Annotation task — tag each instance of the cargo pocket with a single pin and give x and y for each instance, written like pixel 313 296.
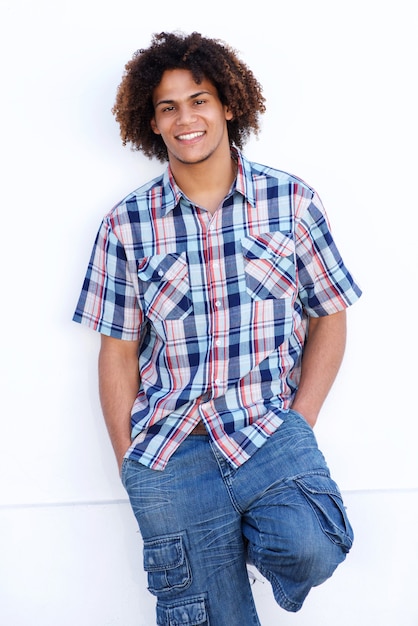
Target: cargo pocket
pixel 324 497
pixel 186 612
pixel 269 263
pixel 166 563
pixel 165 286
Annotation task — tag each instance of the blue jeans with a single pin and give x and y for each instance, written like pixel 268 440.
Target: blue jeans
pixel 201 522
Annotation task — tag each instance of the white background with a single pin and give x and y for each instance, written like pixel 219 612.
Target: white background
pixel 340 83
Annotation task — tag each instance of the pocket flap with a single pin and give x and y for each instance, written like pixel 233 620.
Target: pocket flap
pixel 187 613
pixel 163 553
pixel 267 245
pixel 319 484
pixel 162 267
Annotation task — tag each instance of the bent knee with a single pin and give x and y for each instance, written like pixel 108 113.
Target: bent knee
pixel 316 561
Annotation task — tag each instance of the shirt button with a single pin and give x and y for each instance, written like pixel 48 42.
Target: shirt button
pixel 218 303
pixel 218 342
pixel 217 381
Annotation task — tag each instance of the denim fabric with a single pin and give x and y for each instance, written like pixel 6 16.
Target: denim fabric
pixel 202 520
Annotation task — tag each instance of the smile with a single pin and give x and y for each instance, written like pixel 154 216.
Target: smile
pixel 189 136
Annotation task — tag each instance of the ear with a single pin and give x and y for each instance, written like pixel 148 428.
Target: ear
pixel 228 114
pixel 154 126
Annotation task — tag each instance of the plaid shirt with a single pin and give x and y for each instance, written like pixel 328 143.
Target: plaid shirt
pixel 220 303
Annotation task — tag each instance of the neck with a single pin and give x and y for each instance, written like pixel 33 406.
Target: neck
pixel 206 183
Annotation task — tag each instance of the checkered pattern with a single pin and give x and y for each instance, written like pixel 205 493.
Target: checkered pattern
pixel 220 303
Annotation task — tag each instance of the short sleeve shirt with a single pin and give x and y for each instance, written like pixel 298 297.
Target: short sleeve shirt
pixel 220 305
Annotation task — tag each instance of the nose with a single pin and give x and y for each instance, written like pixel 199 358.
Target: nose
pixel 185 115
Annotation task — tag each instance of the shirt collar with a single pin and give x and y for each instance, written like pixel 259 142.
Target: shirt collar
pixel 244 184
pixel 245 181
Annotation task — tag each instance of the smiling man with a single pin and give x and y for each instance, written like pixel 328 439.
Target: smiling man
pixel 220 296
pixel 191 120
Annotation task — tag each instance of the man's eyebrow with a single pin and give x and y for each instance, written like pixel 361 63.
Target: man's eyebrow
pixel 200 93
pixel 191 97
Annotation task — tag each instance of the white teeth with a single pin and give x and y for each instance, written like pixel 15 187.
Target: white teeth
pixel 190 136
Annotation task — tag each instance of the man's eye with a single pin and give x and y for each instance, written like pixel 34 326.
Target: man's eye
pixel 168 109
pixel 199 101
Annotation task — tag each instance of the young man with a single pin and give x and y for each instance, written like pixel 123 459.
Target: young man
pixel 220 297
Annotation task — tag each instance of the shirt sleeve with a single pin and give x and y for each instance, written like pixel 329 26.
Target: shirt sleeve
pixel 325 284
pixel 108 301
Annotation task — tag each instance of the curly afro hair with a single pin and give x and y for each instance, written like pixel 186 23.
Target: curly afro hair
pixel 206 58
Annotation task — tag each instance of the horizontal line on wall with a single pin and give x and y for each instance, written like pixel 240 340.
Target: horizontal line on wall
pixel 116 502
pixel 70 504
pixel 400 490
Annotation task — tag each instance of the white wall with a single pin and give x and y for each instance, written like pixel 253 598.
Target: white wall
pixel 340 83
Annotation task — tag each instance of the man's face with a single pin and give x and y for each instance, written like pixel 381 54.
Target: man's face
pixel 190 118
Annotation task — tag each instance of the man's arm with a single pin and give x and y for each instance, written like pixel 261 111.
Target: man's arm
pixel 118 387
pixel 322 357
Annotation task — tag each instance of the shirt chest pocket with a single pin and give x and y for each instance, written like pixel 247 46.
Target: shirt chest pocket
pixel 269 265
pixel 165 286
